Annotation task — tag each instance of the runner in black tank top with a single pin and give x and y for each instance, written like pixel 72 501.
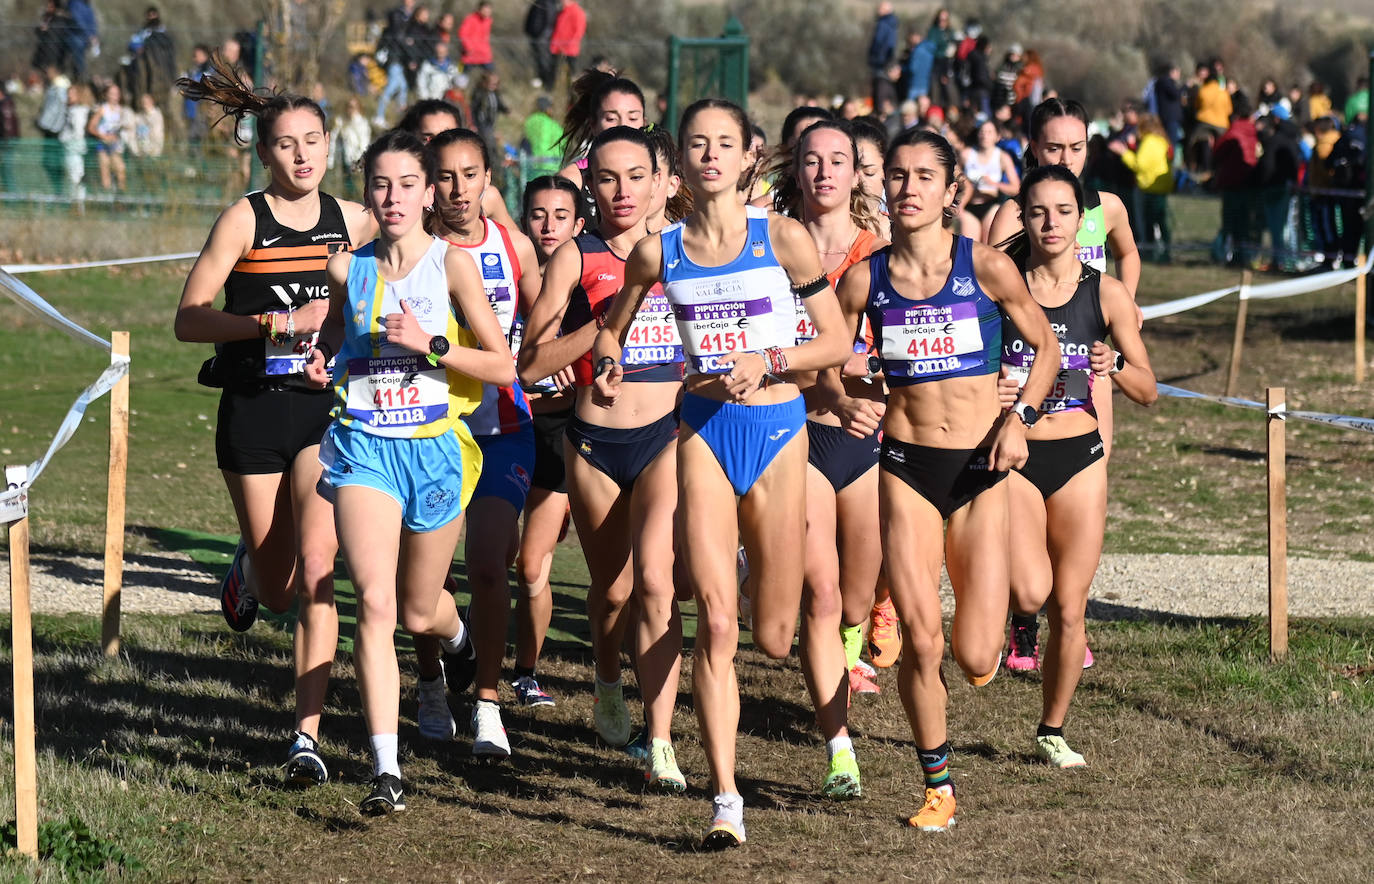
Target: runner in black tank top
pixel 268 251
pixel 1059 496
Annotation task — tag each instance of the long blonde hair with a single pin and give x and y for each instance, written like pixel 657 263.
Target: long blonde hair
pixel 783 166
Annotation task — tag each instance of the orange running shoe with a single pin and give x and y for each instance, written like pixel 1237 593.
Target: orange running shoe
pixel 938 813
pixel 885 635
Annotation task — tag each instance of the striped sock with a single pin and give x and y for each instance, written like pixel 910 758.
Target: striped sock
pixel 935 764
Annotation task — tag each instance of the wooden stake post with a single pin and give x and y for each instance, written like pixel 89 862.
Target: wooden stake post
pixel 1278 525
pixel 21 638
pixel 1238 340
pixel 114 505
pixel 1361 283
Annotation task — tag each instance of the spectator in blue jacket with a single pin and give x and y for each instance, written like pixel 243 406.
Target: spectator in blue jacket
pixel 882 49
pixel 84 35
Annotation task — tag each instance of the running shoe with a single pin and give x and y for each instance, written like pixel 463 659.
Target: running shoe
pixel 304 766
pixel 746 604
pixel 1087 657
pixel 236 600
pixel 938 813
pixel 979 681
pixel 433 715
pixel 488 733
pixel 842 779
pixel 862 684
pixel 387 796
pixel 610 714
pixel 866 670
pixel 638 748
pixel 1023 650
pixel 662 773
pixel 1055 752
pixel 460 666
pixel 884 635
pixel 529 693
pixel 727 825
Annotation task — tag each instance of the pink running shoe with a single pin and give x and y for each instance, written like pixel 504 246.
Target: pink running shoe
pixel 1087 657
pixel 1023 651
pixel 862 684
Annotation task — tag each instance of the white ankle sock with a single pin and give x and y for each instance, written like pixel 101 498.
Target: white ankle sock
pixel 384 755
pixel 455 644
pixel 835 744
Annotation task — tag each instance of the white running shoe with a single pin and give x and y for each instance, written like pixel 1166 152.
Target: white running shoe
pixel 433 714
pixel 488 733
pixel 610 714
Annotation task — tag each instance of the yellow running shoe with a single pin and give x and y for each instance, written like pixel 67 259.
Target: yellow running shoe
pixel 938 813
pixel 1055 752
pixel 662 773
pixel 884 635
pixel 842 780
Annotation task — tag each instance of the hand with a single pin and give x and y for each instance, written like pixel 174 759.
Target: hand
pixel 1009 451
pixel 310 316
pixel 860 418
pixel 1116 147
pixel 606 388
pixel 1008 388
pixel 315 370
pixel 404 329
pixel 743 378
pixel 565 378
pixel 1101 358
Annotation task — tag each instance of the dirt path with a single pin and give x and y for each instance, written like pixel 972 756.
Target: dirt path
pixel 1127 586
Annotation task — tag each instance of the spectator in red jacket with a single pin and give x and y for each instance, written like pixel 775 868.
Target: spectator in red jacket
pixel 568 30
pixel 475 36
pixel 1234 157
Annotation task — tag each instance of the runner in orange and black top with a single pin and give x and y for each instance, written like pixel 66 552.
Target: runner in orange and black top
pixel 551 218
pixel 268 252
pixel 621 461
pixel 843 552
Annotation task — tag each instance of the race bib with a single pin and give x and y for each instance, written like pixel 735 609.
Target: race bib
pixel 1072 387
pixel 710 331
pixel 914 334
pixel 288 357
pixel 805 328
pixel 396 393
pixel 652 338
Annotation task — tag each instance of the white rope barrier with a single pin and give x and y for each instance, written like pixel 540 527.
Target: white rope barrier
pixel 12 499
pixel 1362 424
pixel 1286 288
pixel 120 262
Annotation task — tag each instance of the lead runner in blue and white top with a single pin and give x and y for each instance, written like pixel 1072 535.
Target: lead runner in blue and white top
pixel 729 274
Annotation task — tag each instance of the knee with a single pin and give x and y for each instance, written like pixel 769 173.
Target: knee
pixel 775 640
pixel 717 634
pixel 416 621
pixel 376 609
pixel 656 585
pixel 529 573
pixel 486 572
pixel 923 646
pixel 317 575
pixel 823 601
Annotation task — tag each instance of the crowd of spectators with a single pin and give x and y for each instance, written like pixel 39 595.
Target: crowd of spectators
pixel 1287 165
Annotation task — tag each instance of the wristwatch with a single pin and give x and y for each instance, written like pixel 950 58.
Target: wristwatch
pixel 1027 412
pixel 1118 364
pixel 438 346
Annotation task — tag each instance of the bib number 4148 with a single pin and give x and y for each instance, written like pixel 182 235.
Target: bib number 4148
pixel 936 345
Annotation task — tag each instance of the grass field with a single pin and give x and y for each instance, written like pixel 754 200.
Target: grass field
pixel 1206 761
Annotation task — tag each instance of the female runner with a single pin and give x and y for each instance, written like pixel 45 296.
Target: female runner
pixel 843 550
pixel 1059 137
pixel 268 252
pixel 729 273
pixel 501 424
pixel 599 101
pixel 622 468
pixel 430 116
pixel 551 218
pixel 935 302
pixel 992 176
pixel 399 457
pixel 1059 496
pixel 872 141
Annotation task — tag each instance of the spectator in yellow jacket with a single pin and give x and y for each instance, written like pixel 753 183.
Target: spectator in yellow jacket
pixel 1154 178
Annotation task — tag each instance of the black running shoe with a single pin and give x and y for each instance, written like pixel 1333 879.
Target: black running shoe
pixel 460 666
pixel 236 602
pixel 387 796
pixel 304 766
